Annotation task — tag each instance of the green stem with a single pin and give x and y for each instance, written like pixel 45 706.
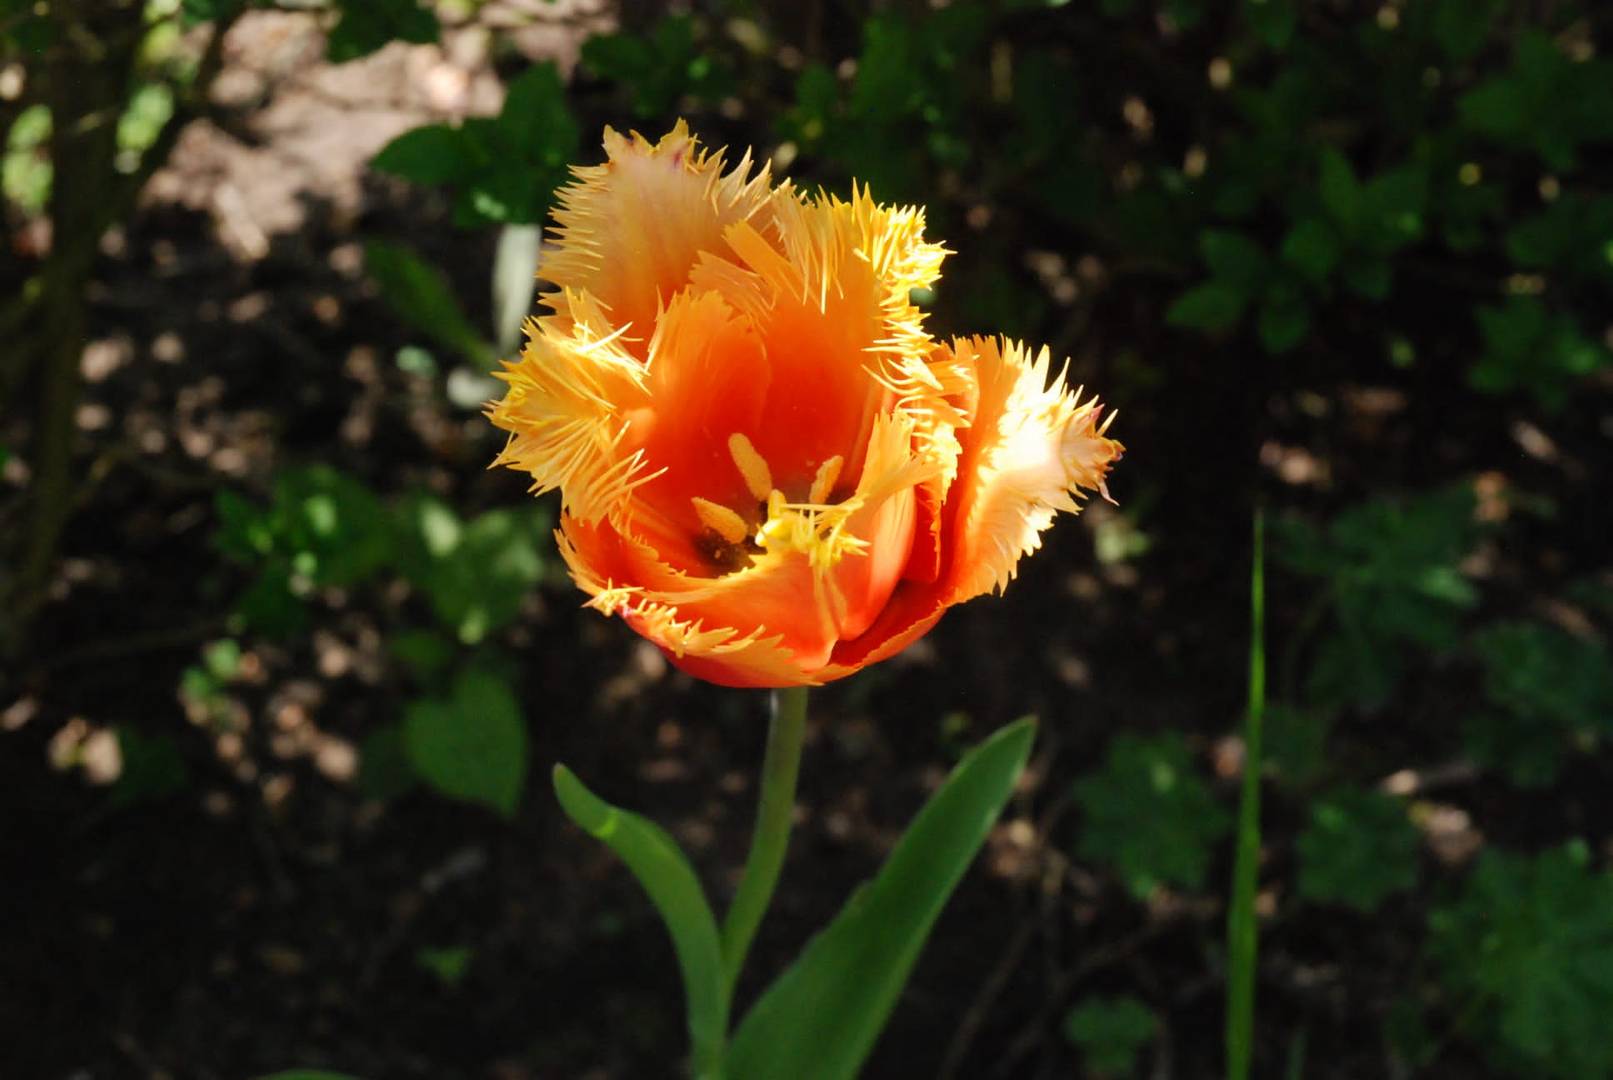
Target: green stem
pixel 1242 933
pixel 772 834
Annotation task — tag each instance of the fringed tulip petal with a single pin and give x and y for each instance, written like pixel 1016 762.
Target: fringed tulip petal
pixel 767 466
pixel 629 231
pixel 1031 448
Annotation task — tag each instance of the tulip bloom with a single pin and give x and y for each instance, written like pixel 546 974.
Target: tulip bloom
pixel 767 466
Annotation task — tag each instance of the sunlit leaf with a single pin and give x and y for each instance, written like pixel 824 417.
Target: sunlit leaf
pixel 431 154
pixel 665 874
pixel 820 1019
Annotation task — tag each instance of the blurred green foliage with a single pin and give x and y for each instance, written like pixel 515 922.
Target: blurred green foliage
pixel 470 745
pixel 325 529
pixel 504 168
pixel 1359 847
pixel 1389 574
pixel 1530 945
pixel 1150 815
pixel 1110 1033
pixel 1548 691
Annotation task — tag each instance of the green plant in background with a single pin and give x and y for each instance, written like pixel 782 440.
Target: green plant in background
pixel 502 169
pixel 677 56
pixel 1359 847
pixel 1110 1033
pixel 1149 815
pixel 1527 955
pixel 1391 577
pixel 470 745
pixel 1243 929
pixel 465 736
pixel 1548 692
pixel 1529 347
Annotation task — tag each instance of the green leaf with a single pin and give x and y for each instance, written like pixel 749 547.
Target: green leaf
pixel 193 12
pixel 1186 14
pixel 25 170
pixel 1547 102
pixel 1392 208
pixel 1341 191
pixel 536 119
pixel 384 770
pixel 666 876
pixel 1528 347
pixel 510 193
pixel 150 108
pixel 1391 572
pixel 475 574
pixel 1550 691
pixel 1296 744
pixel 471 745
pixel 1369 276
pixel 1149 814
pixel 1272 21
pixel 1234 258
pixel 448 965
pixel 426 652
pixel 1214 306
pixel 420 295
pixel 1359 847
pixel 367 25
pixel 817 96
pixel 820 1019
pixel 1285 319
pixel 1530 944
pixel 153 768
pixel 1110 1032
pixel 1541 673
pixel 889 81
pixel 661 67
pixel 1463 26
pixel 1312 248
pixel 432 154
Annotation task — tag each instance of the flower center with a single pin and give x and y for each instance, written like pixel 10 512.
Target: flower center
pixel 816 528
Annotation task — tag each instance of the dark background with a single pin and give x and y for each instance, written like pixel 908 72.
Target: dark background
pixel 1349 263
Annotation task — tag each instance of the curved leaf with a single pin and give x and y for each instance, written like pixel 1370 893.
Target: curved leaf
pixel 666 876
pixel 819 1020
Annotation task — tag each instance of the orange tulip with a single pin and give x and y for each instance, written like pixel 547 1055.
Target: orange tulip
pixel 766 465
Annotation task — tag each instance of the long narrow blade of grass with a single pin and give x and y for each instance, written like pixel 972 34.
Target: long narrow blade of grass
pixel 1241 930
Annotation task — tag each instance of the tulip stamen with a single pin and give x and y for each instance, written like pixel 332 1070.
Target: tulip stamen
pixel 726 542
pixel 721 520
pixel 823 483
pixel 752 466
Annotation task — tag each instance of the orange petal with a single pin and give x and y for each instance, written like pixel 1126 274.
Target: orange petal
pixel 629 231
pixel 1030 451
pixel 566 406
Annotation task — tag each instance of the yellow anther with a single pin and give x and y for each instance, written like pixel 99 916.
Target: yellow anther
pixel 823 483
pixel 758 477
pixel 720 520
